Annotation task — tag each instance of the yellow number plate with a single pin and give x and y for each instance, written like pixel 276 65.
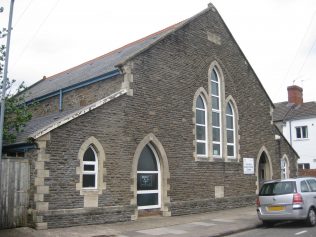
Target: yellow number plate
pixel 276 208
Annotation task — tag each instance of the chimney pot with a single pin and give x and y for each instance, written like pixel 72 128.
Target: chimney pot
pixel 295 95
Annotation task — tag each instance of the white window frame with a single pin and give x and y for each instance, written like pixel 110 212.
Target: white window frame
pixel 89 172
pixel 202 125
pixel 231 129
pixel 284 169
pixel 218 82
pixel 301 131
pixel 158 191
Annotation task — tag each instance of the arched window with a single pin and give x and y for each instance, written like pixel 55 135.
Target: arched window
pixel 230 131
pixel 216 113
pixel 148 179
pixel 90 169
pixel 284 168
pixel 201 127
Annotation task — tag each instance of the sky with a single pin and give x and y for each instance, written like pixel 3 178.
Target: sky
pixel 278 37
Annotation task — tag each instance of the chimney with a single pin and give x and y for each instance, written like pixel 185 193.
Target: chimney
pixel 295 95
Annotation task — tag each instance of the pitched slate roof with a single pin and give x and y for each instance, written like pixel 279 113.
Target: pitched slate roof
pixel 95 67
pixel 284 112
pixel 37 127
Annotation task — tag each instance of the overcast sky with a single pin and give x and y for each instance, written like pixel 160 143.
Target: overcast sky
pixel 278 37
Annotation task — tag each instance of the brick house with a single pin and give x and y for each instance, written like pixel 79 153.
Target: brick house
pixel 159 126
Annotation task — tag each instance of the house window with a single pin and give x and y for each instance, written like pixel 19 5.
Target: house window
pixel 304 166
pixel 201 127
pixel 216 113
pixel 301 132
pixel 230 132
pixel 90 169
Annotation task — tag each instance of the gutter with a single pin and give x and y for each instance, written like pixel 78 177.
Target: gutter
pixel 62 91
pixel 19 147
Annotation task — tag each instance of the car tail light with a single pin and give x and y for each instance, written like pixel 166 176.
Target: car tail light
pixel 258 202
pixel 297 198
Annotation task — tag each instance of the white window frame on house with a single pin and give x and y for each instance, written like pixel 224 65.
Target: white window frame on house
pixel 205 126
pixel 233 130
pixel 90 172
pixel 303 166
pixel 217 111
pixel 300 134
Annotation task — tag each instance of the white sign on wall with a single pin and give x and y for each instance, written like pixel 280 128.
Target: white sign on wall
pixel 249 165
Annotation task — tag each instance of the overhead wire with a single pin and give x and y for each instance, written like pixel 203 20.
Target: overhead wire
pixel 297 52
pixel 22 14
pixel 37 31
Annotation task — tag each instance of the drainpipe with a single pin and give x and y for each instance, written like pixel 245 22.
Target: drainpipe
pixel 60 100
pixel 290 124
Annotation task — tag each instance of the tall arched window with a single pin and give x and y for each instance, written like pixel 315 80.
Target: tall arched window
pixel 216 113
pixel 90 169
pixel 201 127
pixel 284 168
pixel 230 131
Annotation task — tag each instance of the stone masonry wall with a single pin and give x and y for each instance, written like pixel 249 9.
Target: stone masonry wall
pixel 78 98
pixel 166 78
pixel 64 201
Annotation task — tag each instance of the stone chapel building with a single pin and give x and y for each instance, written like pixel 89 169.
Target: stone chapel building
pixel 158 126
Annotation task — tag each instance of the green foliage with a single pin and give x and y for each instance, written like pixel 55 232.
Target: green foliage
pixel 17 113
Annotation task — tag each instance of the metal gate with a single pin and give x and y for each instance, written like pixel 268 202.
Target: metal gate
pixel 15 181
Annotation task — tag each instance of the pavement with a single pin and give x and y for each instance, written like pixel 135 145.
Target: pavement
pixel 215 224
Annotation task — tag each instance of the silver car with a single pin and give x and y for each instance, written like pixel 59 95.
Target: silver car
pixel 288 199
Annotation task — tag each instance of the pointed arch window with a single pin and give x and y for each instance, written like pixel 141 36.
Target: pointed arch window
pixel 148 179
pixel 284 168
pixel 90 169
pixel 201 127
pixel 230 131
pixel 216 113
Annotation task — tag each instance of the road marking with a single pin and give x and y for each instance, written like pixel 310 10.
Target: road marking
pixel 302 232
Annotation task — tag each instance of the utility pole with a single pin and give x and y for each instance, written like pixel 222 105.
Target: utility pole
pixel 5 79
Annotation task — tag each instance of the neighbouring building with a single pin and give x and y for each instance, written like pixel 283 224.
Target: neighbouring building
pixel 297 121
pixel 160 126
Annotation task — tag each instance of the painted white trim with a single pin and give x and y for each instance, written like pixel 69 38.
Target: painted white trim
pixel 231 129
pixel 158 191
pixel 218 111
pixel 95 172
pixel 76 114
pixel 205 125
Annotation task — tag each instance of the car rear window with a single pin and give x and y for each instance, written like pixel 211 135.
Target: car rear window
pixel 277 188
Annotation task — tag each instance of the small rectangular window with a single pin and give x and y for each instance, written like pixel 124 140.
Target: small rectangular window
pixel 301 132
pixel 304 166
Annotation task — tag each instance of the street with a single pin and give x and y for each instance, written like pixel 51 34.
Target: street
pixel 286 229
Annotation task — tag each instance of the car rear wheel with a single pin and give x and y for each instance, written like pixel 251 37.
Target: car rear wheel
pixel 311 217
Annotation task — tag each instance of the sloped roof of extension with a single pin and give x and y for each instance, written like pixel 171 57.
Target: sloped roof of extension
pixel 37 127
pixel 284 112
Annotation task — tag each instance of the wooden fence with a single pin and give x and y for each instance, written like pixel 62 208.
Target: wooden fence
pixel 14 186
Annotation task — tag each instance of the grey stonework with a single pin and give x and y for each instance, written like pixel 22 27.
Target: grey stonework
pixel 165 78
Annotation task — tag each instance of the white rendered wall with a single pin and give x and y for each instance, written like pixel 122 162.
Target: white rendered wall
pixel 306 148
